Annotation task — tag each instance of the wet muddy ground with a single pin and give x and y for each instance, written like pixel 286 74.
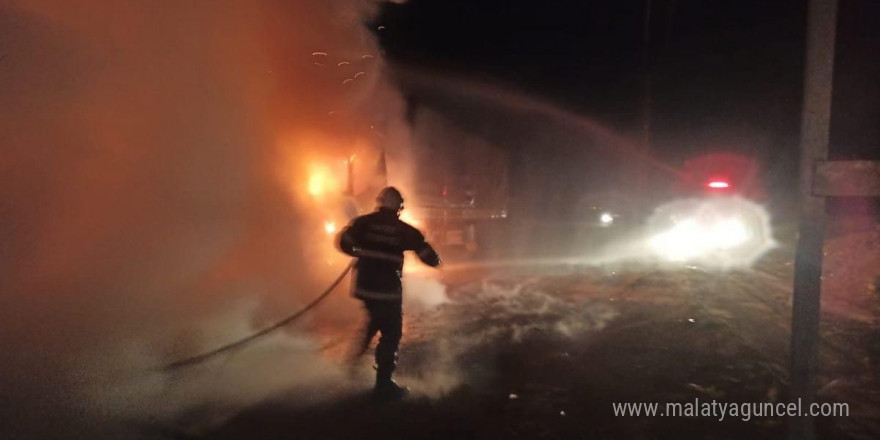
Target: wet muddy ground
pixel 544 351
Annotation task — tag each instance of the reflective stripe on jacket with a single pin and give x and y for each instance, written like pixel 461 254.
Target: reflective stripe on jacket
pixel 378 240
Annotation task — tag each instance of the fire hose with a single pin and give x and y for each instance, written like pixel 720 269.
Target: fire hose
pixel 200 358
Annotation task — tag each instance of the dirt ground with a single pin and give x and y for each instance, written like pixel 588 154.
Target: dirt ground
pixel 543 351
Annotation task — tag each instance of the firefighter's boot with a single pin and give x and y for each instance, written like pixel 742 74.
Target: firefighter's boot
pixel 386 388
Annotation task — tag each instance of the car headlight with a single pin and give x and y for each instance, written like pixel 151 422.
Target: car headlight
pixel 722 231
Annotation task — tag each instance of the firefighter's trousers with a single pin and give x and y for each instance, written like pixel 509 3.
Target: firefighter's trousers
pixel 385 318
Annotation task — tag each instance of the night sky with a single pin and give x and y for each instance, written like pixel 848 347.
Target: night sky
pixel 725 75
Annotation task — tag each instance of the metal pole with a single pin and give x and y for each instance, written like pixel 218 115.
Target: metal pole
pixel 818 75
pixel 646 71
pixel 643 168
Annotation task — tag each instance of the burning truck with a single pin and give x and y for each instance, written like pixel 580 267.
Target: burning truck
pixel 459 184
pixel 455 184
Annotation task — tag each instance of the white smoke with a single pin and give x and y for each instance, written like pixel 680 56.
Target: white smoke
pixel 422 291
pixel 495 311
pixel 154 156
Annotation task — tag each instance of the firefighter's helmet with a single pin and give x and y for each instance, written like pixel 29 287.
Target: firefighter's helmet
pixel 390 198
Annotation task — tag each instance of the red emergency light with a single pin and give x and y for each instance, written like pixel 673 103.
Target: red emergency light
pixel 718 184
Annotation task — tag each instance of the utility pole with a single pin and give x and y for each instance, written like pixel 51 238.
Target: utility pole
pixel 820 178
pixel 643 168
pixel 815 124
pixel 646 84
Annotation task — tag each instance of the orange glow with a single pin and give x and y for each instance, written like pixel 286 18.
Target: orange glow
pixel 321 182
pixel 317 182
pixel 330 227
pixel 407 217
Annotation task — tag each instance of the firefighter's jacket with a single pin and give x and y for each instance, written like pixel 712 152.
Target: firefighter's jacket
pixel 378 240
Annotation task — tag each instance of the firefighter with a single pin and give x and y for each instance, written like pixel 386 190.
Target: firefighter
pixel 378 241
